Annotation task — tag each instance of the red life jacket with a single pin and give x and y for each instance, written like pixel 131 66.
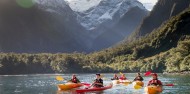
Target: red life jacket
pixel 155 82
pixel 74 80
pixel 123 78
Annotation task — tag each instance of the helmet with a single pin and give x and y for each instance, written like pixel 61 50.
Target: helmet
pixel 154 74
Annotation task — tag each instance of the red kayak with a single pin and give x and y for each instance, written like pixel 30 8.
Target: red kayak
pixel 94 89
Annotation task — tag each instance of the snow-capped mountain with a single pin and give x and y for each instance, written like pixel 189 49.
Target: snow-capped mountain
pixel 82 5
pixel 108 21
pixel 103 11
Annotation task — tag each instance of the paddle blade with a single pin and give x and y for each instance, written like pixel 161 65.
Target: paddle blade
pixel 147 73
pixel 120 73
pixel 103 77
pixel 59 78
pixel 169 85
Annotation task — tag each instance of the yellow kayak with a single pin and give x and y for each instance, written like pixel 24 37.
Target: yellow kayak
pixel 68 86
pixel 115 82
pixel 153 89
pixel 125 82
pixel 138 84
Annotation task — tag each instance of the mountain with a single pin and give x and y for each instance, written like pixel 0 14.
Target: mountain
pixel 36 26
pixel 109 21
pixel 106 13
pixel 162 11
pixel 167 49
pixel 46 26
pixel 121 29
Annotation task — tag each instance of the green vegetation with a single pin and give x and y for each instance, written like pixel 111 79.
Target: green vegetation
pixel 167 49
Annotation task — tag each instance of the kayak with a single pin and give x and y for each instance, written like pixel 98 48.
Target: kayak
pixel 138 84
pixel 153 89
pixel 125 82
pixel 115 82
pixel 68 86
pixel 121 82
pixel 94 89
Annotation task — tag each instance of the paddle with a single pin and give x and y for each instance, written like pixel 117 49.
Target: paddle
pixel 59 78
pixel 103 77
pixel 120 73
pixel 147 73
pixel 168 85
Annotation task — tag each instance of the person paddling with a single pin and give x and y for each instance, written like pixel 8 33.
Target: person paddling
pixel 74 79
pixel 115 77
pixel 138 77
pixel 122 77
pixel 155 80
pixel 98 82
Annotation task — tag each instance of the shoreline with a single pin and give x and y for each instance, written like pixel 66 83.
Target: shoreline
pixel 184 72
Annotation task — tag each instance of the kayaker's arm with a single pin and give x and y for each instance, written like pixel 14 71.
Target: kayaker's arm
pixel 98 83
pixel 78 81
pixel 69 80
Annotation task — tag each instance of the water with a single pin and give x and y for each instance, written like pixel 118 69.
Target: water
pixel 46 84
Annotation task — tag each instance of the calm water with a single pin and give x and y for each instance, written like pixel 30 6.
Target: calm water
pixel 46 84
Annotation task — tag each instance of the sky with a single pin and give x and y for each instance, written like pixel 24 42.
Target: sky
pixel 147 3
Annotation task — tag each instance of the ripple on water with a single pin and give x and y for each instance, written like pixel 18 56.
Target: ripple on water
pixel 18 86
pixel 17 91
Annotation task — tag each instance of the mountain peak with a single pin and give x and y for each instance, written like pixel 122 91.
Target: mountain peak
pixel 82 5
pixel 103 11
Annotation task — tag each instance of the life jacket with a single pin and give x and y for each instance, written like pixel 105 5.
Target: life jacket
pixel 122 78
pixel 154 82
pixel 98 81
pixel 139 78
pixel 74 80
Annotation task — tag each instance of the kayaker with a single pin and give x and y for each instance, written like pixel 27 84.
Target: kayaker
pixel 74 79
pixel 98 82
pixel 115 77
pixel 122 77
pixel 155 80
pixel 138 77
